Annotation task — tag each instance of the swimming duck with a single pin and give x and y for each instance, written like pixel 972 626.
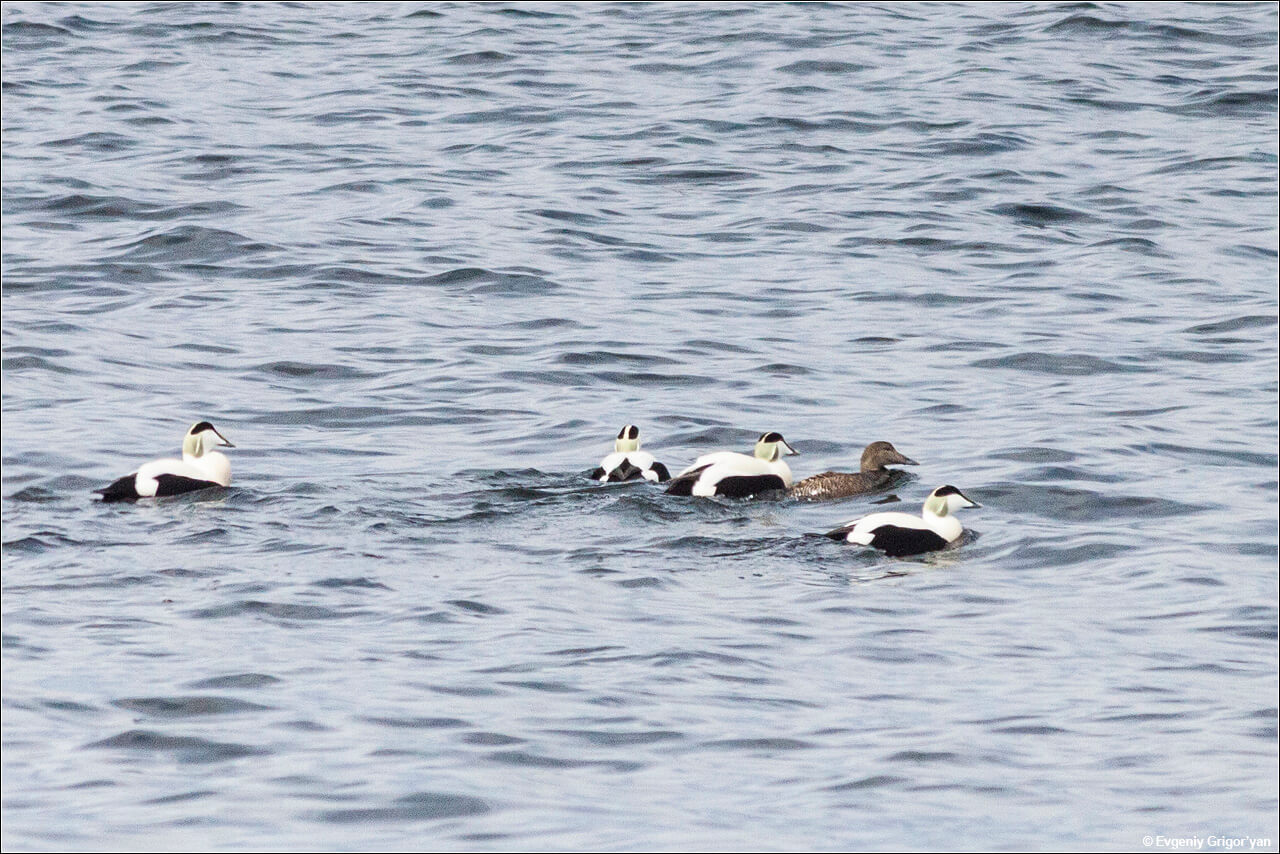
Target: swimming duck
pixel 627 461
pixel 873 476
pixel 899 534
pixel 737 475
pixel 200 468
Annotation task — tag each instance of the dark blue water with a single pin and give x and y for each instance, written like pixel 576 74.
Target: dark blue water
pixel 421 263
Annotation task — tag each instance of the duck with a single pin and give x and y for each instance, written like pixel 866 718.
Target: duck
pixel 628 462
pixel 734 475
pixel 201 467
pixel 873 475
pixel 901 534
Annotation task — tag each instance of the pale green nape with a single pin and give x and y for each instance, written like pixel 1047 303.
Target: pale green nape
pixel 195 444
pixel 937 505
pixel 767 451
pixel 626 446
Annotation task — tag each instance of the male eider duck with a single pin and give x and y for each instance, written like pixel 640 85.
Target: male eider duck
pixel 873 476
pixel 628 462
pixel 200 468
pixel 899 534
pixel 737 475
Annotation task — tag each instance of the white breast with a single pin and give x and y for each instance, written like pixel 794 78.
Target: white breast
pixel 216 466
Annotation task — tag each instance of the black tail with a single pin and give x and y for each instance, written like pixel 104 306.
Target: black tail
pixel 839 534
pixel 625 471
pixel 683 485
pixel 121 490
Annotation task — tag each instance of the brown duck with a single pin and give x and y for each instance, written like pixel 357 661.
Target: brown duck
pixel 874 475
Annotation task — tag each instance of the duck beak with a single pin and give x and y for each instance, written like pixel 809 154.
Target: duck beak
pixel 224 441
pixel 972 503
pixel 905 461
pixel 791 452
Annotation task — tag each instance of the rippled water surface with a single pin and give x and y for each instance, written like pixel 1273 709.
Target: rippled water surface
pixel 421 263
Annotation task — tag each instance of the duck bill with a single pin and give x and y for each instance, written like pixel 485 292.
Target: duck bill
pixel 791 452
pixel 971 503
pixel 905 461
pixel 224 443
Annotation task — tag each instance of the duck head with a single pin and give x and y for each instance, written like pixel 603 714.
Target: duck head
pixel 628 440
pixel 880 454
pixel 202 438
pixel 946 500
pixel 771 446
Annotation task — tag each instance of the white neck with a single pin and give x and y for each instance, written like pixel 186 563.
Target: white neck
pixel 214 464
pixel 943 524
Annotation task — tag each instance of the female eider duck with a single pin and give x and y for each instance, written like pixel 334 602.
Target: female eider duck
pixel 900 534
pixel 200 468
pixel 737 475
pixel 873 476
pixel 628 462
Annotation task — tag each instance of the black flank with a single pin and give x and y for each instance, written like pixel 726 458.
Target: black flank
pixel 900 542
pixel 744 487
pixel 176 484
pixel 661 471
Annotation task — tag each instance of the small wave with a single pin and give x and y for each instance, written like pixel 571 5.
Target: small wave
pixel 1235 324
pixel 1084 505
pixel 90 207
pixel 480 57
pixel 822 66
pixel 692 176
pixel 97 141
pixel 192 244
pixel 18 364
pixel 323 372
pixel 287 611
pixel 529 759
pixel 1068 364
pixel 184 748
pixel 1041 214
pixel 186 707
pixel 489 282
pixel 418 723
pixel 235 680
pixel 478 608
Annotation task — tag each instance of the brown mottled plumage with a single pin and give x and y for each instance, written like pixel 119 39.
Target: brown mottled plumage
pixel 874 475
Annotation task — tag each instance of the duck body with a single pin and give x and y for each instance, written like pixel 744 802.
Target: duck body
pixel 200 468
pixel 733 475
pixel 873 476
pixel 901 534
pixel 628 462
pixel 618 467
